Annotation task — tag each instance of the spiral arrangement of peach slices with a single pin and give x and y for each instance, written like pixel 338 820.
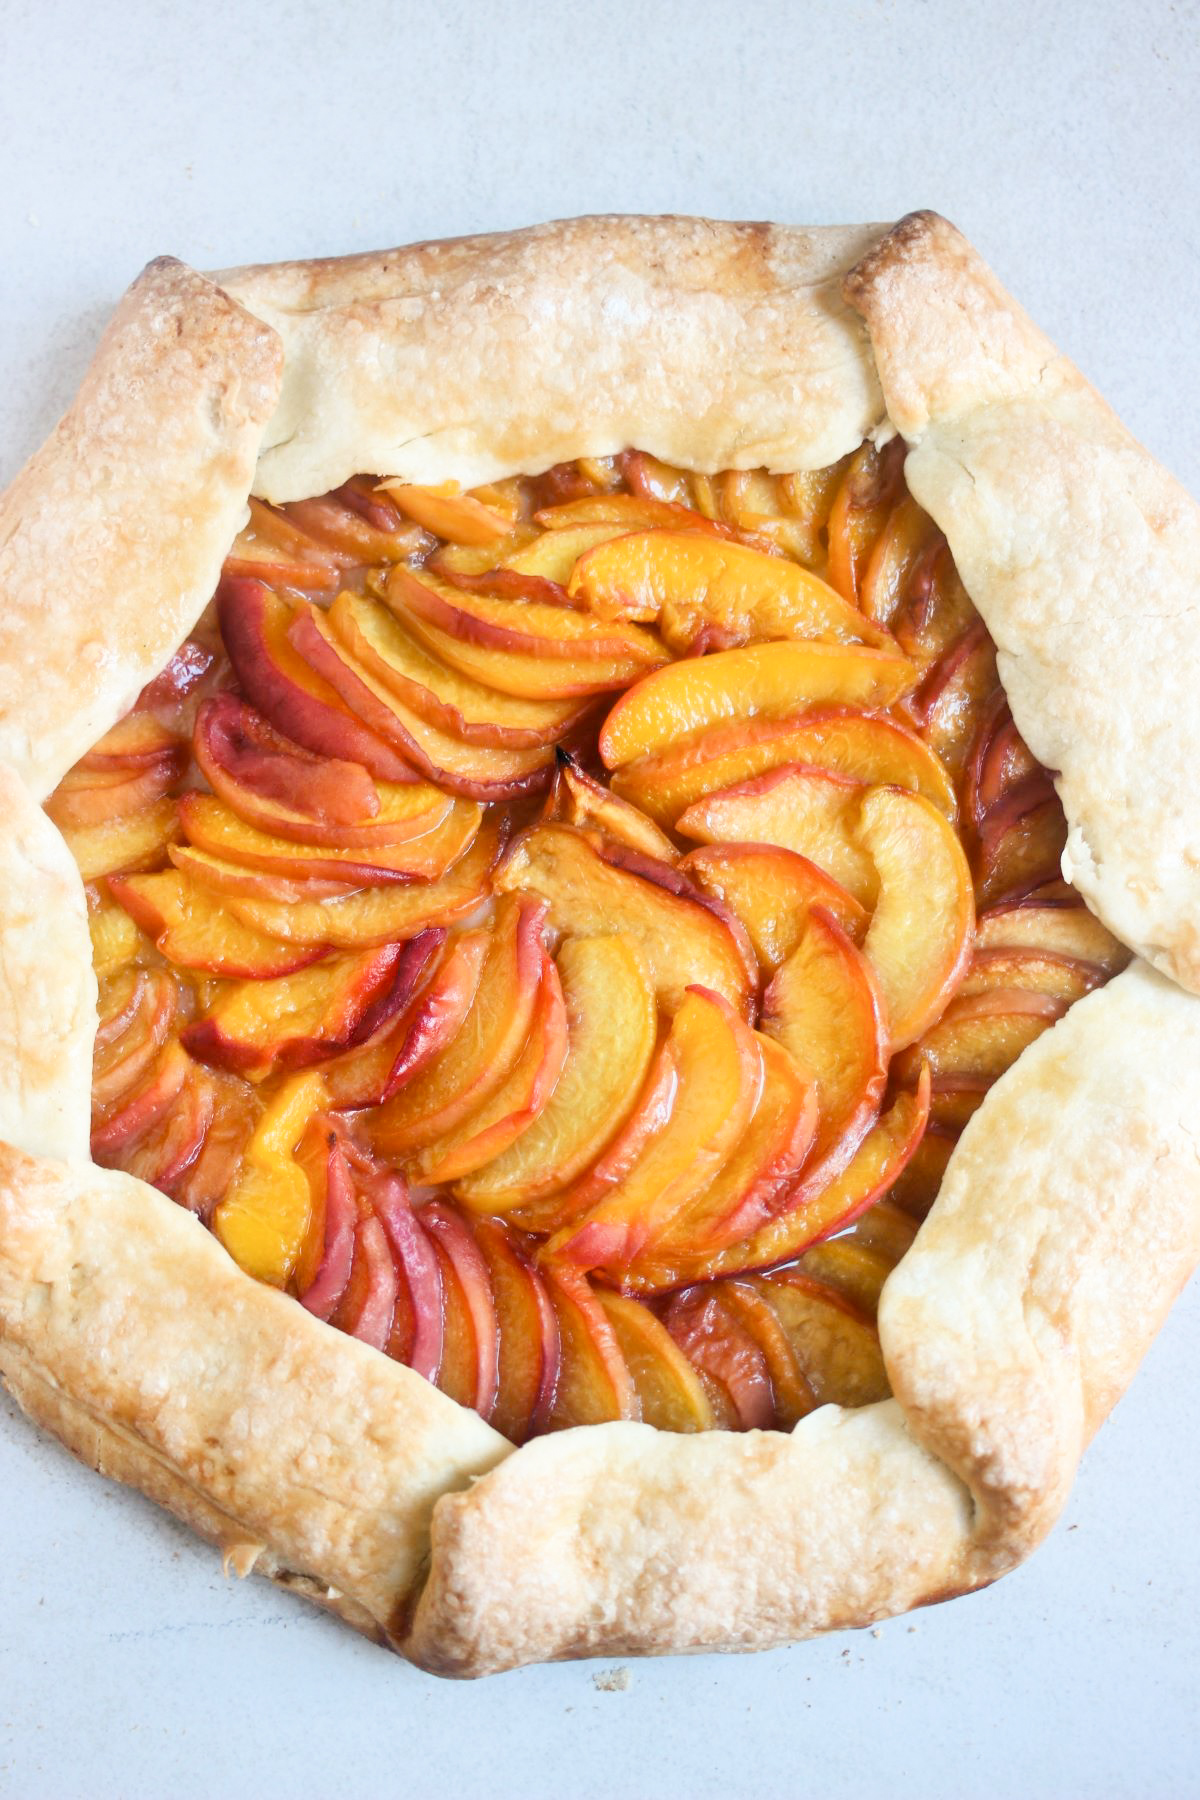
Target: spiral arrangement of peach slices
pixel 557 932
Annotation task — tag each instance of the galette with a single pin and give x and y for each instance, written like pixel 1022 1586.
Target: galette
pixel 600 923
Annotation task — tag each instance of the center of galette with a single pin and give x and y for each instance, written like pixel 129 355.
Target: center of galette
pixel 558 932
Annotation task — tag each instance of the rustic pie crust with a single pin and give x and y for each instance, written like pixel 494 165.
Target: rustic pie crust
pixel 1069 1216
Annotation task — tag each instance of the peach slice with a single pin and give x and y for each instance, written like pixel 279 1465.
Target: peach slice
pixel 454 1240
pixel 917 1186
pixel 492 1036
pixel 236 1110
pixel 680 940
pixel 472 770
pixel 94 797
pixel 116 939
pixel 137 739
pixel 529 1344
pixel 861 746
pixel 763 1166
pixel 770 891
pixel 235 880
pixel 836 1345
pixel 288 1021
pixel 1038 971
pixel 948 702
pixel 435 1006
pixel 525 628
pixel 272 548
pixel 136 841
pixel 821 1208
pixel 853 1269
pixel 725 1355
pixel 448 513
pixel 254 626
pixel 790 1387
pixel 611 1026
pixel 368 1306
pixel 169 1151
pixel 358 524
pixel 708 594
pixel 919 941
pixel 513 672
pixel 1021 856
pixel 377 915
pixel 516 1104
pixel 294 794
pixel 136 1012
pixel 620 514
pixel 901 548
pixel 552 557
pixel 773 512
pixel 872 485
pixel 937 610
pixel 810 811
pixel 1061 928
pixel 577 798
pixel 763 680
pixel 453 702
pixel 194 931
pixel 264 1217
pixel 418 1321
pixel 212 826
pixel 824 1006
pixel 718 1070
pixel 672 1395
pixel 979 1036
pixel 594 1383
pixel 141 1106
pixel 883 1227
pixel 323 1270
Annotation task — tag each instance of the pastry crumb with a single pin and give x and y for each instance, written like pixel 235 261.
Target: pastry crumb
pixel 613 1681
pixel 876 1633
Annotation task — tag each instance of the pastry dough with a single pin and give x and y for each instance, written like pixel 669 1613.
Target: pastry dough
pixel 1070 1213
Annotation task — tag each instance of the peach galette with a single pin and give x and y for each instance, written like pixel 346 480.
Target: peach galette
pixel 562 916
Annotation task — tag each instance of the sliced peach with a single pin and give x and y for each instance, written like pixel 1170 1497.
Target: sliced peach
pixel 790 1388
pixel 553 556
pixel 836 1345
pixel 486 1047
pixel 289 1021
pixel 611 1021
pixel 1039 971
pixel 368 1306
pixel 650 478
pixel 770 891
pixel 525 628
pixel 137 739
pixel 448 513
pixel 1024 854
pixel 823 1005
pixel 138 840
pixel 719 1077
pixel 254 627
pixel 142 1105
pixel 377 915
pixel 514 672
pixel 864 747
pixel 454 702
pixel 853 1269
pixel 884 1227
pixel 872 485
pixel 810 811
pixel 237 1108
pixel 708 594
pixel 919 941
pixel 271 547
pixel 763 680
pixel 136 1012
pixel 264 1217
pixel 452 1237
pixel 672 1395
pixel 458 1369
pixel 116 939
pixel 212 826
pixel 621 514
pixel 937 610
pixel 979 1036
pixel 725 1355
pixel 901 547
pixel 358 524
pixel 449 560
pixel 194 931
pixel 764 510
pixel 577 798
pixel 472 770
pixel 948 702
pixel 916 1188
pixel 762 1167
pixel 233 881
pixel 430 1018
pixel 418 1322
pixel 594 1383
pixel 519 1100
pixel 1061 928
pixel 324 1268
pixel 680 940
pixel 297 795
pixel 529 1344
pixel 93 797
pixel 167 1153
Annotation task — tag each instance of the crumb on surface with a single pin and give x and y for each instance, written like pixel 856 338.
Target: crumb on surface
pixel 613 1681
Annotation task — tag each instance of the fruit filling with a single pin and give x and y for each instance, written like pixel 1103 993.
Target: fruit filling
pixel 558 932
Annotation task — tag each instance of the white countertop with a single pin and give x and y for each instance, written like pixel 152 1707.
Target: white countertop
pixel 1064 140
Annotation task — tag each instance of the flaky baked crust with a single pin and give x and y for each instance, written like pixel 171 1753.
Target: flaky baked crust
pixel 1070 1214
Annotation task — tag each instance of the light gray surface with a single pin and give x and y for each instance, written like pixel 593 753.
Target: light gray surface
pixel 1064 140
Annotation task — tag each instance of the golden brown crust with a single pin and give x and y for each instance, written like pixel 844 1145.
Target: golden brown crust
pixel 1071 1213
pixel 113 534
pixel 487 356
pixel 1082 555
pixel 239 1410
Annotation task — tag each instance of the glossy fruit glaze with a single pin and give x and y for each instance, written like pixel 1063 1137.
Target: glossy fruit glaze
pixel 558 932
